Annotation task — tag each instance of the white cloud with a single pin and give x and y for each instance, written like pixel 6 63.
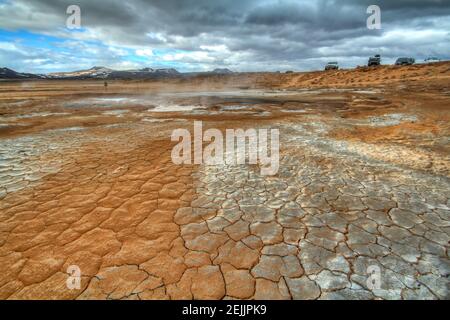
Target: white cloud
pixel 117 51
pixel 216 48
pixel 193 56
pixel 145 52
pixel 11 47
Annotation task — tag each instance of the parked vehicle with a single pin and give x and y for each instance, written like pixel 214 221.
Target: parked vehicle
pixel 432 59
pixel 332 66
pixel 405 61
pixel 374 61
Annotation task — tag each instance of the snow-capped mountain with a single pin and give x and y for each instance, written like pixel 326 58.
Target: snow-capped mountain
pixel 94 72
pixel 109 74
pixel 222 71
pixel 106 73
pixel 145 73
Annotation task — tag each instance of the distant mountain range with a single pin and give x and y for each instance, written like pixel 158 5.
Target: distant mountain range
pixel 108 74
pixel 6 73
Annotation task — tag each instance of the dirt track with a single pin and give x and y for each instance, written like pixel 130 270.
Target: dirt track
pixel 87 180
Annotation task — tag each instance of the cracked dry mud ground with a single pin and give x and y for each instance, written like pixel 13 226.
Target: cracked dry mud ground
pixel 363 181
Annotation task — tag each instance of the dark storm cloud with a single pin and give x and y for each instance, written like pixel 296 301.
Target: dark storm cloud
pixel 251 34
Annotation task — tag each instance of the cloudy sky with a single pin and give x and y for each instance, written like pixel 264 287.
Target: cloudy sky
pixel 196 35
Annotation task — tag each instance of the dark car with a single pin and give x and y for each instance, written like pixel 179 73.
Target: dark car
pixel 374 61
pixel 405 61
pixel 332 66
